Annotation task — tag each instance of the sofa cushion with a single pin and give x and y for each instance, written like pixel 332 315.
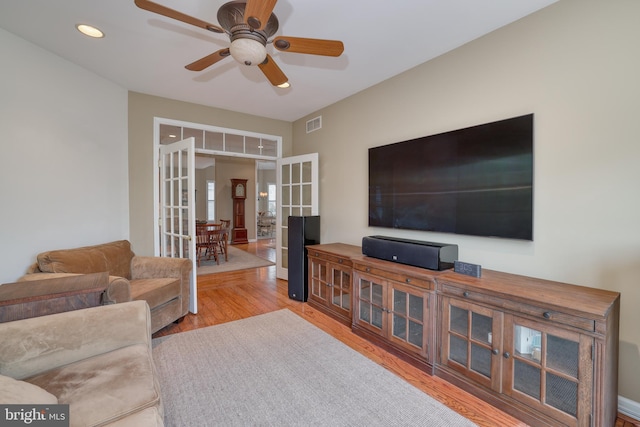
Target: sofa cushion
pixel 155 291
pixel 14 392
pixel 114 257
pixel 104 388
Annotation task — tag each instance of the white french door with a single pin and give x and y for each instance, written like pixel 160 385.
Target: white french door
pixel 177 207
pixel 297 195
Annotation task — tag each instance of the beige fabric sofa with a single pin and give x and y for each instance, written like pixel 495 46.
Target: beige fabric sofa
pixel 97 360
pixel 164 283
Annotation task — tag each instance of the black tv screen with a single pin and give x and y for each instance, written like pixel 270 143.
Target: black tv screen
pixel 475 181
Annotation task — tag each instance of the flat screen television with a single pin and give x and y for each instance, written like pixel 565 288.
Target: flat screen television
pixel 475 181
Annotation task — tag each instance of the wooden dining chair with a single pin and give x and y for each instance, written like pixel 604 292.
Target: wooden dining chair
pixel 206 241
pixel 223 238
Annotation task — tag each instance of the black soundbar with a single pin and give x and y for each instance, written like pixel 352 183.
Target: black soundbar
pixel 434 256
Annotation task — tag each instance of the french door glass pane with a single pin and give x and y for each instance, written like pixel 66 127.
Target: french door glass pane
pixel 286 175
pixel 286 196
pixel 295 194
pixel 307 171
pixel 295 173
pixel 306 194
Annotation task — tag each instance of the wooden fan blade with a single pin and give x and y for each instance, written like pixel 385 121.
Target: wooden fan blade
pixel 258 12
pixel 309 46
pixel 208 60
pixel 170 13
pixel 273 72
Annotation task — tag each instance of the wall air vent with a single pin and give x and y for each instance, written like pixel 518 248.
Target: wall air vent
pixel 314 124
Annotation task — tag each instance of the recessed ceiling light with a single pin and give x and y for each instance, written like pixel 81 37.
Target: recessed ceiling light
pixel 90 31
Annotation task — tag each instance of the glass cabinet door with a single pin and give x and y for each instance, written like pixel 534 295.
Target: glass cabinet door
pixel 409 318
pixel 318 285
pixel 549 368
pixel 370 304
pixel 341 290
pixel 471 341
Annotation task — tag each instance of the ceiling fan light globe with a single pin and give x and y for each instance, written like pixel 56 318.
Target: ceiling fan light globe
pixel 248 51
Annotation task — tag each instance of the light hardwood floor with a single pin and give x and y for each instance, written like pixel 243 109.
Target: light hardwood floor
pixel 225 297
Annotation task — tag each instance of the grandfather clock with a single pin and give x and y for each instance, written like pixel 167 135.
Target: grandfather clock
pixel 238 194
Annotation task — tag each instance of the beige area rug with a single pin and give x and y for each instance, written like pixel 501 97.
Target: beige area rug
pixel 277 369
pixel 238 260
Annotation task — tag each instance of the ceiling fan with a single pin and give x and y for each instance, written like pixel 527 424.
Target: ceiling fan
pixel 249 25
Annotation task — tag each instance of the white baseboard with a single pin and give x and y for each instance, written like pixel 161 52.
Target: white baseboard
pixel 629 407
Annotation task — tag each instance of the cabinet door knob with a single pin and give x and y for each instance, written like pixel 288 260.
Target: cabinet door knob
pixel 407 280
pixel 465 294
pixel 546 315
pixel 316 254
pixel 367 269
pixel 340 261
pixel 506 355
pixel 495 351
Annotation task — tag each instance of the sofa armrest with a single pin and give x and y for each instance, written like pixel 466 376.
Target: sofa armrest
pixel 118 290
pixel 144 267
pixel 32 346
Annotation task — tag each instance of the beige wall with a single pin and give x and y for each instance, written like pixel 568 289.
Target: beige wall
pixel 202 176
pixel 575 65
pixel 63 173
pixel 265 177
pixel 228 168
pixel 142 110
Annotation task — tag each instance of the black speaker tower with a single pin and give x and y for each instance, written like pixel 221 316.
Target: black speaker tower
pixel 303 231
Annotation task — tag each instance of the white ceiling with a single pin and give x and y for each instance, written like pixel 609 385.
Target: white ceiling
pixel 146 52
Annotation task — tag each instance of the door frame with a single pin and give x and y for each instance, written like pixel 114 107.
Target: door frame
pixel 157 122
